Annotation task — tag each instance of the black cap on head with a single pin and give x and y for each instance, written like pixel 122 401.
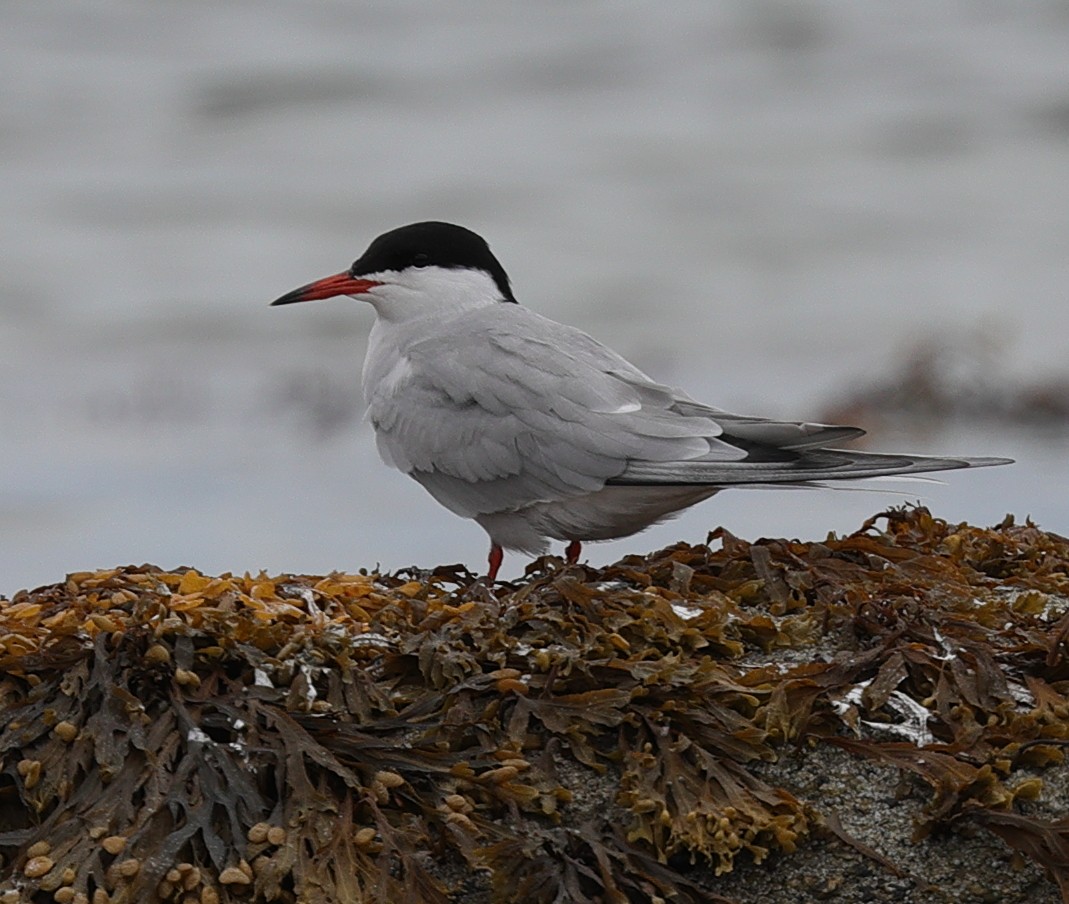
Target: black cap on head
pixel 432 244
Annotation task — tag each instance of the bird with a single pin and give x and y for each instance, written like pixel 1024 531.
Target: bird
pixel 535 429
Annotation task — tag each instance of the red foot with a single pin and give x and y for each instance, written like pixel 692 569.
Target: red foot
pixel 571 552
pixel 497 554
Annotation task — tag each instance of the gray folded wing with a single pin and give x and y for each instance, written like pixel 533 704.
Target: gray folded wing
pixel 506 408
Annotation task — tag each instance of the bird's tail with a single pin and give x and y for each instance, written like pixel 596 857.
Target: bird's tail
pixel 807 466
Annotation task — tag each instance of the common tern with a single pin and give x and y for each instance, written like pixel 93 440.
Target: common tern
pixel 536 430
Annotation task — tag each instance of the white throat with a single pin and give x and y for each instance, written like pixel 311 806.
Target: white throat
pixel 412 305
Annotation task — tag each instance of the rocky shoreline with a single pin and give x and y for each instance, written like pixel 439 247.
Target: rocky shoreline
pixel 878 717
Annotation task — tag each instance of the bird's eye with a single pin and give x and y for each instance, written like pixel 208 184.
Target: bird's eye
pixel 420 260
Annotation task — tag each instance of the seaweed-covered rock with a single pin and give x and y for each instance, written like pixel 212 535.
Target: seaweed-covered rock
pixel 759 721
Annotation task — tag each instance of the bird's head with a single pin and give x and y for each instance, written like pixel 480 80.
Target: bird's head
pixel 416 270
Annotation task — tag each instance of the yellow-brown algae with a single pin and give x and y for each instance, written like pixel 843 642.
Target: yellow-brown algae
pixel 233 875
pixel 470 717
pixel 113 844
pixel 37 866
pixel 38 849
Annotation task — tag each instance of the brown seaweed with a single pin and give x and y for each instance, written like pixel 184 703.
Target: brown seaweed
pixel 173 736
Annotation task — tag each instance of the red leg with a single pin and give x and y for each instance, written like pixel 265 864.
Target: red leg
pixel 496 555
pixel 571 553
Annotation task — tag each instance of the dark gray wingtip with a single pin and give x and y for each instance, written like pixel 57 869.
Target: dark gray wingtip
pixel 986 462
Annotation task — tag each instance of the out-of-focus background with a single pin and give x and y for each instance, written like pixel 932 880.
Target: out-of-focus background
pixel 820 209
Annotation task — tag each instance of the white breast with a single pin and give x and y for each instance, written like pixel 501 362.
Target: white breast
pixel 391 383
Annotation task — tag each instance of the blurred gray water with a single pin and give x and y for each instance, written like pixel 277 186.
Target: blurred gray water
pixel 764 202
